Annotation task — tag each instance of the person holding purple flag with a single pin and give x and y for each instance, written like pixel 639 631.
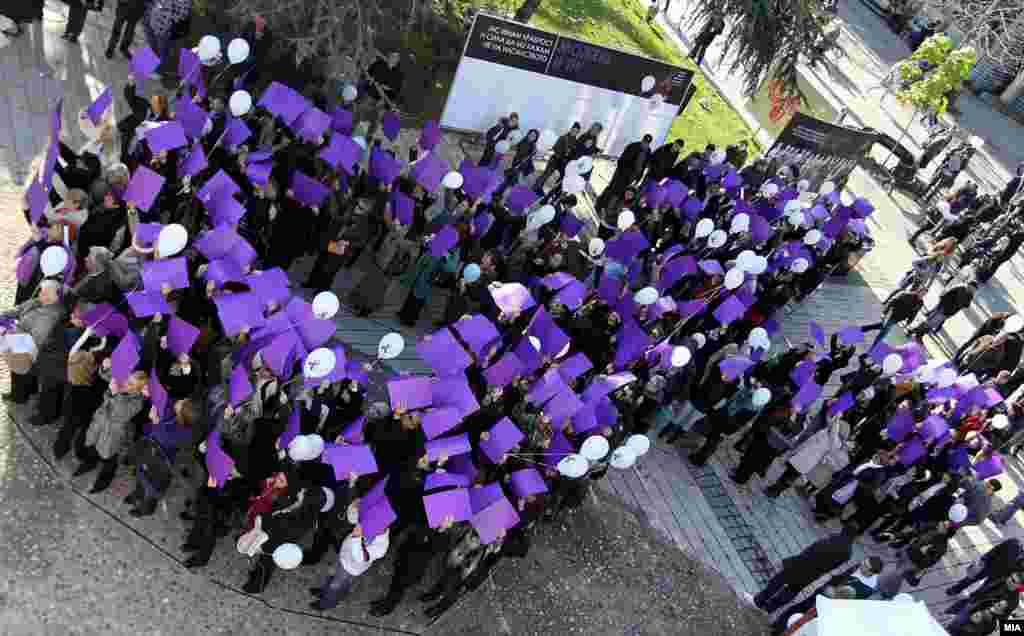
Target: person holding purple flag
pixel 155 453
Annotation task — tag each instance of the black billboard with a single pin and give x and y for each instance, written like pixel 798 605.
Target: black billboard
pixel 520 46
pixel 820 150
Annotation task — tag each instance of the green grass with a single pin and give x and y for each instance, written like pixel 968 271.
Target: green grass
pixel 621 24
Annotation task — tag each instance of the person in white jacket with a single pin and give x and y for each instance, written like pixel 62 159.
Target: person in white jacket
pixel 355 557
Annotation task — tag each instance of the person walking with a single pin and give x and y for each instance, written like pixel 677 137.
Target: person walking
pixel 712 29
pixel 799 571
pixel 900 308
pixel 559 158
pixel 628 170
pixel 998 563
pixel 953 301
pixel 126 16
pixel 862 578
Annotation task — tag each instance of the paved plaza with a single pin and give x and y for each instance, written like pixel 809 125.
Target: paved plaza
pixel 53 534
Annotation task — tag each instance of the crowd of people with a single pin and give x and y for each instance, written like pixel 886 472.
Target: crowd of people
pixel 160 323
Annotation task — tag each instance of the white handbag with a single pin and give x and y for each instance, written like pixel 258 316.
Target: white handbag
pixel 250 543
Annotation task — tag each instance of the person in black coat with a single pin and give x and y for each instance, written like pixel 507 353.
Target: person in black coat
pixel 496 133
pixel 901 308
pixel 126 17
pixel 21 13
pixel 953 301
pixel 998 563
pixel 559 158
pixel 628 170
pixel 991 327
pixel 664 160
pixel 799 571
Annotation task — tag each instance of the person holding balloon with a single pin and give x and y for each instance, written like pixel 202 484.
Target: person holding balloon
pixel 559 157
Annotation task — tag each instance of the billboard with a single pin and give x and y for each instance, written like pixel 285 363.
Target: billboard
pixel 822 151
pixel 552 81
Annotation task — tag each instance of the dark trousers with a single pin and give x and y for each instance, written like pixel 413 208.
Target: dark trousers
pixel 786 479
pixel 76 18
pixel 123 30
pixel 51 399
pixel 23 386
pixel 411 309
pixel 324 271
pixel 700 47
pixel 555 165
pixel 776 593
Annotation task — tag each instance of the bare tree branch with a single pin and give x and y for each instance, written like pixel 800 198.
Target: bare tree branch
pixel 995 28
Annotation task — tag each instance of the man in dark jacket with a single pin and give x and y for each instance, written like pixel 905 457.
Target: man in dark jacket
pixel 1013 187
pixel 663 160
pixel 736 154
pixel 628 170
pixel 496 133
pixel 388 74
pixel 559 157
pixel 126 16
pixel 707 35
pixel 901 308
pixel 992 326
pixel 862 578
pixel 953 301
pixel 998 563
pixel 799 571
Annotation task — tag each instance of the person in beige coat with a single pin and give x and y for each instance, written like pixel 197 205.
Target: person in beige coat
pixel 110 430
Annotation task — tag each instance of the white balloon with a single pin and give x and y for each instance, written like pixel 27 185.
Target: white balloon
pixel 209 48
pixel 301 449
pixel 328 499
pixel 639 444
pixel 53 261
pixel 760 265
pixel 573 466
pixel 792 620
pixel 976 142
pixel 238 51
pixel 740 223
pixel 240 103
pixel 584 165
pixel 704 228
pixel 799 265
pixel 1014 324
pixel 471 273
pixel 892 364
pixel 390 346
pixel 803 185
pixel 541 217
pixel 827 188
pixel 360 141
pixel 1000 421
pixel 171 240
pixel 453 180
pixel 316 444
pixel 623 457
pixel 761 397
pixel 796 219
pixel 733 278
pixel 903 597
pixel 349 93
pixel 647 84
pixel 812 237
pixel 946 378
pixel 573 184
pixel 287 556
pixel 547 139
pixel 770 189
pixel 846 199
pixel 326 305
pixel 626 220
pixel 717 239
pixel 746 260
pixel 646 296
pixel 319 363
pixel 717 158
pixel 502 146
pixel 595 448
pixel 758 334
pixel 700 340
pixel 680 357
pixel 595 247
pixel 957 512
pixel 792 206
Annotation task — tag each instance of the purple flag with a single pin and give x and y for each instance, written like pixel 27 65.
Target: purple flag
pixel 430 136
pixel 447 447
pixel 239 311
pixel 170 271
pixel 218 463
pixel 143 188
pixel 437 422
pixel 125 357
pixel 344 152
pixel 442 353
pixel 169 136
pixel 411 393
pixel 308 191
pixel 195 162
pixel 521 197
pixel 37 200
pixel 429 171
pixel 214 188
pixel 478 332
pixel 284 102
pixel 341 121
pixel 384 167
pixel 312 124
pixel 502 372
pixel 501 438
pixel 450 504
pixel 401 207
pixel 99 107
pixel 181 336
pixel 346 459
pixel 391 125
pixel 444 241
pixel 143 63
pixel 239 388
pixel 147 303
pixel 526 482
pixel 236 133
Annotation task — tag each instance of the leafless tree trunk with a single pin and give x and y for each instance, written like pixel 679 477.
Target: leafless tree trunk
pixel 526 10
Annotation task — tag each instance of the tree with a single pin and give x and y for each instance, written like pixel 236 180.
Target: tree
pixel 934 73
pixel 994 28
pixel 769 38
pixel 526 10
pixel 342 35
